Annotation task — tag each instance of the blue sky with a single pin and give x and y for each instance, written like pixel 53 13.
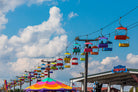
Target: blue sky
pixel 24 20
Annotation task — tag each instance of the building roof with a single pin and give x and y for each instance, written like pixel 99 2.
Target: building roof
pixel 129 78
pixel 91 88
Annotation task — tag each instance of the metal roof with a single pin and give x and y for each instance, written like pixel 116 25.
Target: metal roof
pixel 128 78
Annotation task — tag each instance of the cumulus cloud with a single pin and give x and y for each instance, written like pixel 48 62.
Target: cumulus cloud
pixel 1 82
pixel 72 14
pixel 10 5
pixel 37 39
pixel 44 40
pixel 23 64
pixel 40 40
pixel 105 65
pixel 3 20
pixel 109 60
pixel 5 7
pixel 37 1
pixel 132 59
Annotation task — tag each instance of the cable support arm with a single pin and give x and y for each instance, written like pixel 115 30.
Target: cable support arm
pixel 86 40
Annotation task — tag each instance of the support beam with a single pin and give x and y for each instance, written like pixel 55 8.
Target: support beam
pixel 71 83
pixel 122 88
pixel 134 89
pixel 112 77
pixel 82 86
pixel 109 87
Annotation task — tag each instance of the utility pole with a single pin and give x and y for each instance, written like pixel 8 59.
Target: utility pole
pixel 13 81
pixel 48 63
pixel 20 83
pixel 14 86
pixel 86 61
pixel 20 86
pixel 29 76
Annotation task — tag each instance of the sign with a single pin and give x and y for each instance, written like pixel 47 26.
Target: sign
pixel 119 69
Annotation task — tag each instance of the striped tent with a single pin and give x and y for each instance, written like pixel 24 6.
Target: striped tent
pixel 49 84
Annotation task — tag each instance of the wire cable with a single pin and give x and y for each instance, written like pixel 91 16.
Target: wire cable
pixel 133 25
pixel 111 22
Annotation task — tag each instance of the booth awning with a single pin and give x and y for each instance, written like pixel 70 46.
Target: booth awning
pixel 49 84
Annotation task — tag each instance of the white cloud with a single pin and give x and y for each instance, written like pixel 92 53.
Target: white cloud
pixel 108 60
pixel 5 7
pixel 41 40
pixel 23 64
pixel 93 67
pixel 33 39
pixel 44 40
pixel 132 59
pixel 3 21
pixel 72 14
pixel 105 65
pixel 10 5
pixel 37 1
pixel 1 82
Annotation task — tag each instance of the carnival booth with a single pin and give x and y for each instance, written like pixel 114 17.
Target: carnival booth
pixel 49 85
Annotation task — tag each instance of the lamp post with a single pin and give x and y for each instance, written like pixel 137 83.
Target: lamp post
pixel 13 85
pixel 20 84
pixel 29 76
pixel 86 60
pixel 48 62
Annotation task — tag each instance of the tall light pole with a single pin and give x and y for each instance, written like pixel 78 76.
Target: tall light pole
pixel 29 76
pixel 86 60
pixel 20 84
pixel 13 85
pixel 48 62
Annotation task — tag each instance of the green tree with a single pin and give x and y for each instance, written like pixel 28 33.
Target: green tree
pixel 131 90
pixel 16 90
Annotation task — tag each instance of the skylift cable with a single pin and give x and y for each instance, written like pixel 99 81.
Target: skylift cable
pixel 127 27
pixel 132 24
pixel 133 27
pixel 111 22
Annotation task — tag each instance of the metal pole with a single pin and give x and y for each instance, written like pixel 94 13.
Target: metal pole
pixel 86 61
pixel 30 78
pixel 48 62
pixel 9 89
pixel 48 70
pixel 20 86
pixel 14 87
pixel 86 70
